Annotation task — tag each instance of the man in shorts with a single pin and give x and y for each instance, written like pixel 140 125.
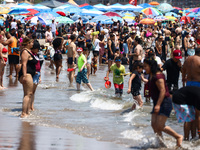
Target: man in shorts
pixel 13 55
pixel 71 56
pixel 191 76
pixel 82 70
pixel 111 49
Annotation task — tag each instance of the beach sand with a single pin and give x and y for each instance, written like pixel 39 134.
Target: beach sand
pixel 16 133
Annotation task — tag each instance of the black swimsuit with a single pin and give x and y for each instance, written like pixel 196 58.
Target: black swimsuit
pixel 30 66
pixel 58 55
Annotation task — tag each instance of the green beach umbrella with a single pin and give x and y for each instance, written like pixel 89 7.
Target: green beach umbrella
pixel 64 20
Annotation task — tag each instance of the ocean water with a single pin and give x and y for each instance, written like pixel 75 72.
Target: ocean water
pixel 96 114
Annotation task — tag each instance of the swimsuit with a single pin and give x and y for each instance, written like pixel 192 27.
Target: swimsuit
pixel 30 66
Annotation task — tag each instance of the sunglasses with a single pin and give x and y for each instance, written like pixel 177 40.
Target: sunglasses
pixel 117 60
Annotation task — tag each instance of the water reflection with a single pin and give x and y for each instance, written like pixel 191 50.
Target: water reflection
pixel 27 140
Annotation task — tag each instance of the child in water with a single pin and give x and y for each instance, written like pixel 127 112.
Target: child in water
pixel 134 84
pixel 118 78
pixel 94 63
pixel 82 70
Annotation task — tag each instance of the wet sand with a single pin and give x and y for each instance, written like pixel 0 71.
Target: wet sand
pixel 16 133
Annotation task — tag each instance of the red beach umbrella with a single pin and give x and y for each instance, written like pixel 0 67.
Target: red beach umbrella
pixel 112 14
pixel 61 13
pixel 32 12
pixel 86 4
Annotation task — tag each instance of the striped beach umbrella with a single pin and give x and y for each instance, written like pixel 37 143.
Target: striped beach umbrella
pixel 151 11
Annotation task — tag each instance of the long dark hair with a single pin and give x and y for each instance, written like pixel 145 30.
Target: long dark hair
pixel 153 65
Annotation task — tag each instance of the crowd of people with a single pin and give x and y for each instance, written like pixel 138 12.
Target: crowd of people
pixel 147 51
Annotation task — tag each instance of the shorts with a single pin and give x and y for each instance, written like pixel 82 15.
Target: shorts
pixel 36 78
pixel 191 52
pixel 184 113
pixel 118 88
pixel 186 54
pixel 5 59
pixel 13 59
pixel 165 107
pixel 57 57
pixel 125 47
pixel 111 57
pixel 96 52
pixel 82 76
pixel 70 60
pixel 135 93
pixel 175 87
pixel 167 39
pixel 193 83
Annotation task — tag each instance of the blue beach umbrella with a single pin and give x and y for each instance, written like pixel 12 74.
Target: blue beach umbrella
pixel 18 11
pixel 101 7
pixel 145 5
pixel 171 13
pixel 165 7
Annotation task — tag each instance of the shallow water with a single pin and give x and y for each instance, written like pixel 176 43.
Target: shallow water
pixel 91 114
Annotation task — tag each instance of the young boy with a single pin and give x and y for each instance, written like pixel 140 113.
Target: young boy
pixel 82 70
pixel 118 78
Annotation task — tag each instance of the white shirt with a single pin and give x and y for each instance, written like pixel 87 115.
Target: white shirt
pixel 158 60
pixel 14 25
pixel 53 27
pixel 96 44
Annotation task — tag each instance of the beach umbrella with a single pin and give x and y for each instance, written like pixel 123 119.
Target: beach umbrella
pixel 116 7
pixel 34 20
pixel 4 10
pixel 41 7
pixel 32 12
pixel 178 8
pixel 47 16
pixel 64 20
pixel 61 13
pixel 145 5
pixel 160 18
pixel 197 9
pixel 154 3
pixel 2 18
pixel 164 7
pixel 72 2
pixel 129 7
pixel 1 22
pixel 185 19
pixel 18 11
pixel 171 18
pixel 85 19
pixel 128 17
pixel 111 14
pixel 72 10
pixel 91 12
pixel 101 7
pixel 192 14
pixel 147 21
pixel 171 13
pixel 86 4
pixel 117 18
pixel 151 11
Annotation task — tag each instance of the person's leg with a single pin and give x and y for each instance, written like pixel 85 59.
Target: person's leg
pixel 90 86
pixel 11 70
pixel 100 59
pixel 160 121
pixel 154 122
pixel 197 119
pixel 1 74
pixel 58 64
pixel 16 70
pixel 78 87
pixel 33 97
pixel 139 100
pixel 28 92
pixel 88 70
pixel 109 63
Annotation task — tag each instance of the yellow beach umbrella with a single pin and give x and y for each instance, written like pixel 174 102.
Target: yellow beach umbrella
pixel 171 18
pixel 4 10
pixel 128 17
pixel 147 21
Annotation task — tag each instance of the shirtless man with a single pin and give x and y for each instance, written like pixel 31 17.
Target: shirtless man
pixel 167 35
pixel 185 43
pixel 71 54
pixel 13 57
pixel 197 36
pixel 191 76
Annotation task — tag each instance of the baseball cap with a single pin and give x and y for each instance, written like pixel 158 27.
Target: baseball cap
pixel 177 54
pixel 79 49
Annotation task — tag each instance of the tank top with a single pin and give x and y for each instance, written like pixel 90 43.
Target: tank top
pixel 153 89
pixel 30 65
pixel 13 45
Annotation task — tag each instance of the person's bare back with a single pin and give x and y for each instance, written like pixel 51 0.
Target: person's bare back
pixel 71 50
pixel 191 68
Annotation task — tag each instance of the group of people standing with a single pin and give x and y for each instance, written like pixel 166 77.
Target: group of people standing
pixel 148 50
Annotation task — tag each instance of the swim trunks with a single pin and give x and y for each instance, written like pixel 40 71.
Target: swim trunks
pixel 119 88
pixel 82 76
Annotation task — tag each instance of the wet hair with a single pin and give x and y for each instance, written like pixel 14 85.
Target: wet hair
pixel 151 53
pixel 36 45
pixel 101 37
pixel 95 55
pixel 153 65
pixel 73 37
pixel 26 41
pixel 137 64
pixel 197 51
pixel 34 36
pixel 56 43
pixel 112 35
